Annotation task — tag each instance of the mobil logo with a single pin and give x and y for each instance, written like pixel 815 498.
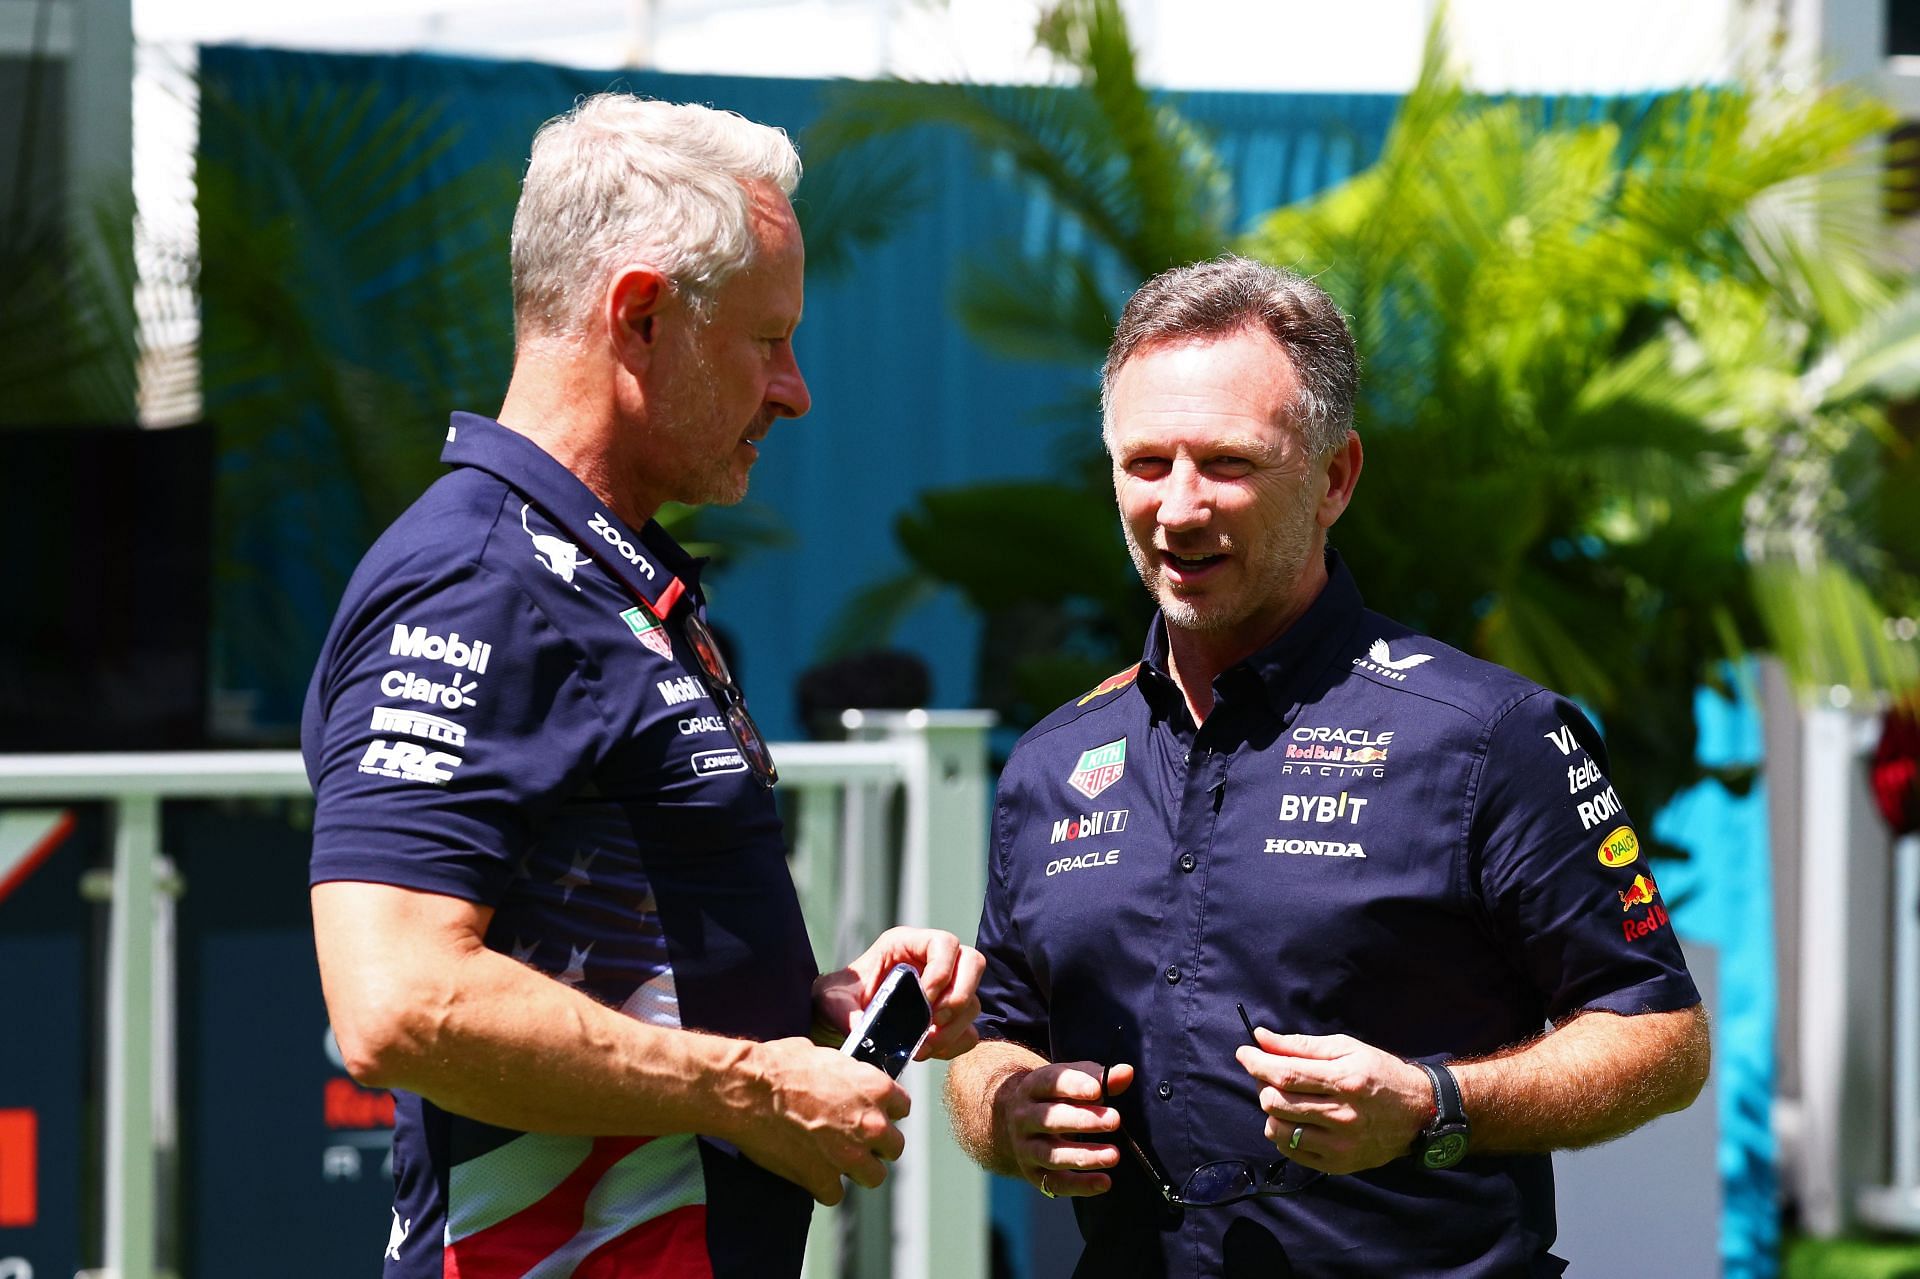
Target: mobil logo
pixel 418 641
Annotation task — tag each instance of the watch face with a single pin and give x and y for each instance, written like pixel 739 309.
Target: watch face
pixel 1445 1150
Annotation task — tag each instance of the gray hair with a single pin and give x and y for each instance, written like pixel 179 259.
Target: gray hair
pixel 621 178
pixel 1227 295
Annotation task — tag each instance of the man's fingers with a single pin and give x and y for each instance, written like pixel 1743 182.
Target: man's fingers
pixel 1319 1047
pixel 891 1144
pixel 1067 1081
pixel 898 1103
pixel 958 998
pixel 1119 1078
pixel 1296 1074
pixel 939 954
pixel 949 1042
pixel 869 1171
pixel 1071 1185
pixel 1306 1108
pixel 1068 1118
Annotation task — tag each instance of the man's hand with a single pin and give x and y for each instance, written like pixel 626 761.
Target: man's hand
pixel 1355 1107
pixel 830 1116
pixel 1055 1125
pixel 949 975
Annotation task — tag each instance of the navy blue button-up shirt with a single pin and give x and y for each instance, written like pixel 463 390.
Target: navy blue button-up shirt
pixel 507 711
pixel 1372 834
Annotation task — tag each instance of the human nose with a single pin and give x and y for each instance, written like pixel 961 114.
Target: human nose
pixel 1183 499
pixel 787 392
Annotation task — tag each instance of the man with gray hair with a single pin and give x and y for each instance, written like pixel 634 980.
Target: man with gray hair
pixel 550 896
pixel 1314 881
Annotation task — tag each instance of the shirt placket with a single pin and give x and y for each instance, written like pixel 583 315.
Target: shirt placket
pixel 1179 1008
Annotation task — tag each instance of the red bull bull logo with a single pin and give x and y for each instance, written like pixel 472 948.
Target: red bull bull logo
pixel 1642 892
pixel 1365 755
pixel 1639 893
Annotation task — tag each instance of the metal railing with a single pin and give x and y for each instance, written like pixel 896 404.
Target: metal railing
pixel 889 828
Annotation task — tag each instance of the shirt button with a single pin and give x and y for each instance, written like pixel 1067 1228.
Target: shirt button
pixel 1165 1090
pixel 1173 975
pixel 1187 862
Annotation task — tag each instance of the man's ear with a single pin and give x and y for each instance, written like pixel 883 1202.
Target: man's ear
pixel 631 313
pixel 1343 474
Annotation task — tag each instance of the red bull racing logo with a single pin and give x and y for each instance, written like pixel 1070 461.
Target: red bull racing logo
pixel 1099 768
pixel 1111 683
pixel 1642 892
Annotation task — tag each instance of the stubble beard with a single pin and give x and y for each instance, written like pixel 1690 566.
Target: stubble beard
pixel 1268 570
pixel 690 418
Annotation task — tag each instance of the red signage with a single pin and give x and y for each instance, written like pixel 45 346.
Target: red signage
pixel 19 1158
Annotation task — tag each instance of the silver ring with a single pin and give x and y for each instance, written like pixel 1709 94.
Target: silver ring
pixel 1293 1143
pixel 1043 1186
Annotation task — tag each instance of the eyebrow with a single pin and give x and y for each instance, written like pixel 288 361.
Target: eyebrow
pixel 1232 445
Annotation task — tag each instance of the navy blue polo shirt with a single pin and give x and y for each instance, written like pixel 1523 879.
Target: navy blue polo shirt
pixel 1372 834
pixel 501 714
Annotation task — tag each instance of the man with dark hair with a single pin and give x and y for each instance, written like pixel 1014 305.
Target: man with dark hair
pixel 550 896
pixel 1276 918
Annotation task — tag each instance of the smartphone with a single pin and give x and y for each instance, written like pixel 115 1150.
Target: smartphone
pixel 894 1025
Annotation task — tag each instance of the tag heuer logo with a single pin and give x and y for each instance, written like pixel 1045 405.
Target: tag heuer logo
pixel 647 629
pixel 1099 768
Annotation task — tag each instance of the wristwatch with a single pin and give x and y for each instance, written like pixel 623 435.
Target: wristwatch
pixel 1443 1142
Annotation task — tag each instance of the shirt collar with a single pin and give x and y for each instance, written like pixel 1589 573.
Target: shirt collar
pixel 1287 669
pixel 515 460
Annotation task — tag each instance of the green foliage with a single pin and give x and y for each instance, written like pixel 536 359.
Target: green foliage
pixel 1624 405
pixel 1854 1258
pixel 68 349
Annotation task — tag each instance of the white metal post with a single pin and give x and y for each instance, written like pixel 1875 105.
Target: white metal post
pixel 940 1196
pixel 130 1059
pixel 1844 885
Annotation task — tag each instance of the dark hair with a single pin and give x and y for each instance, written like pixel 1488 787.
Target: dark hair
pixel 1221 297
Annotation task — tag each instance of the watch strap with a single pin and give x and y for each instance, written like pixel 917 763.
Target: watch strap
pixel 1443 1142
pixel 1447 1106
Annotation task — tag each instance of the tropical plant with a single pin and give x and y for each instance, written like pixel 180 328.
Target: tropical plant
pixel 1626 369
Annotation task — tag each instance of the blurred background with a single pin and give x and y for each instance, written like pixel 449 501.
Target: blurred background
pixel 1634 289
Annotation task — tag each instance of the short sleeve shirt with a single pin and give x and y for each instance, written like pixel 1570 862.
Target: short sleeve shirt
pixel 1372 834
pixel 499 717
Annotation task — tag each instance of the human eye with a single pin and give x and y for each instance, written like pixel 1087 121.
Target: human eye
pixel 1229 466
pixel 1147 466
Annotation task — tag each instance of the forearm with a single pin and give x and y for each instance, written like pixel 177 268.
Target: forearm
pixel 499 1042
pixel 974 1084
pixel 419 1002
pixel 1594 1078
